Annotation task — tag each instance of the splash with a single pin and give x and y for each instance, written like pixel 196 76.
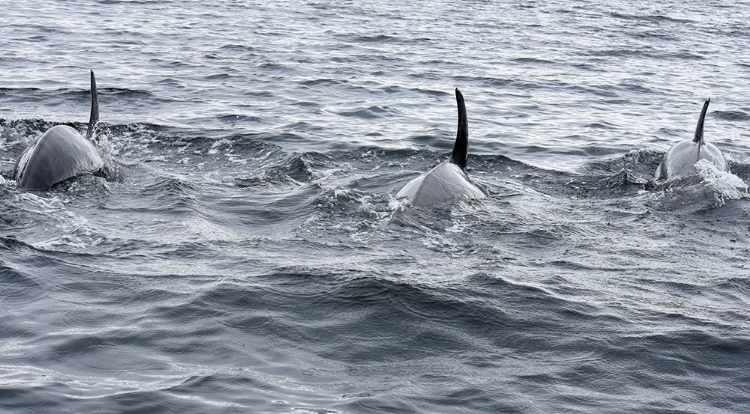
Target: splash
pixel 397 204
pixel 725 184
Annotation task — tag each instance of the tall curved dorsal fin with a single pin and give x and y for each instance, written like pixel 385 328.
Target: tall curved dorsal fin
pixel 461 147
pixel 699 128
pixel 94 118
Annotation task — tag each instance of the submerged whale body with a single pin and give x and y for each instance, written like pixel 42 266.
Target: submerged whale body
pixel 680 160
pixel 60 153
pixel 448 181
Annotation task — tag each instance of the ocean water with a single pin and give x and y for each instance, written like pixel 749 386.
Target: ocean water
pixel 250 256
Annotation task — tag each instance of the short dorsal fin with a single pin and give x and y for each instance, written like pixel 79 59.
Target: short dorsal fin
pixel 94 118
pixel 699 128
pixel 461 147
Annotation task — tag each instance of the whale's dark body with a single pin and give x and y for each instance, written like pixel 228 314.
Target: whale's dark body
pixel 60 153
pixel 680 160
pixel 448 181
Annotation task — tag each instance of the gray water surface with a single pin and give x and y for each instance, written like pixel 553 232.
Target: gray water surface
pixel 251 256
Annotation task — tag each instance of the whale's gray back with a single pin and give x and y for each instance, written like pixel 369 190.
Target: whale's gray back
pixel 61 153
pixel 448 181
pixel 445 183
pixel 680 160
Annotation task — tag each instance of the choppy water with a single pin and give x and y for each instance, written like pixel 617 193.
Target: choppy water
pixel 253 259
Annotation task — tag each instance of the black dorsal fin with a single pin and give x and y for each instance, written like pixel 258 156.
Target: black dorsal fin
pixel 461 147
pixel 94 118
pixel 699 129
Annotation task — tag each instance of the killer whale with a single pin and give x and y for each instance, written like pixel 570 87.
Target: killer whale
pixel 448 181
pixel 679 161
pixel 61 153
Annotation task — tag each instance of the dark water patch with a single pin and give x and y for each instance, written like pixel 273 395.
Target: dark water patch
pixel 430 92
pixel 22 98
pixel 636 87
pixel 611 178
pixel 12 243
pixel 474 398
pixel 376 39
pixel 88 345
pixel 36 39
pixel 17 286
pixel 123 93
pixel 175 64
pixel 259 94
pixel 681 352
pixel 239 47
pixel 619 52
pixel 501 163
pixel 129 43
pixel 275 67
pixel 639 163
pixel 56 29
pixel 111 2
pixel 191 250
pixel 736 289
pixel 525 84
pixel 18 91
pixel 604 125
pixel 171 82
pixel 434 141
pixel 279 138
pixel 302 126
pixel 687 56
pixel 9 218
pixel 388 308
pixel 653 34
pixel 579 266
pixel 235 118
pixel 322 82
pixel 391 88
pixel 228 382
pixel 731 115
pixel 84 95
pixel 145 398
pixel 307 104
pixel 172 195
pixel 343 60
pixel 598 90
pixel 372 112
pixel 358 298
pixel 651 18
pixel 286 207
pixel 267 178
pixel 533 61
pixel 34 397
pixel 218 76
pixel 740 169
pixel 587 67
pixel 303 167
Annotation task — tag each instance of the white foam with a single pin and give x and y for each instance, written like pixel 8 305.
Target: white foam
pixel 457 227
pixel 724 183
pixel 397 204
